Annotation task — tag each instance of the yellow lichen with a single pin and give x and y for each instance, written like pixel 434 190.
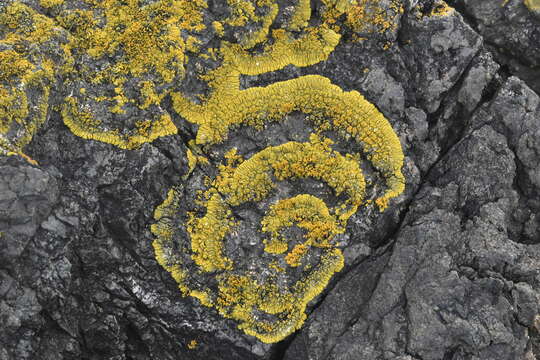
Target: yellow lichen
pixel 368 16
pixel 146 47
pixel 315 95
pixel 50 3
pixel 192 160
pixel 308 213
pixel 148 44
pixel 83 124
pixel 218 27
pixel 240 295
pixel 301 15
pixel 533 5
pixel 262 306
pixel 192 344
pixel 207 234
pixel 251 181
pixel 441 9
pixel 26 75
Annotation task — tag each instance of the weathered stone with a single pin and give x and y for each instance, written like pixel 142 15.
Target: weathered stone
pixel 449 271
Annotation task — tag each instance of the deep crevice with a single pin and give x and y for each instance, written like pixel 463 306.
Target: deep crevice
pixel 498 52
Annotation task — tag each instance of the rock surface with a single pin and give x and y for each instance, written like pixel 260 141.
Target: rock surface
pixel 451 270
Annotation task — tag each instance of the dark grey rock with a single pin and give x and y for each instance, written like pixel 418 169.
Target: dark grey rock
pixel 437 49
pixel 452 287
pixel 450 271
pixel 511 31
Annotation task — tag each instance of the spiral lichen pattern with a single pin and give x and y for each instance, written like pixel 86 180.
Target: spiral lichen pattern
pixel 122 66
pixel 270 302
